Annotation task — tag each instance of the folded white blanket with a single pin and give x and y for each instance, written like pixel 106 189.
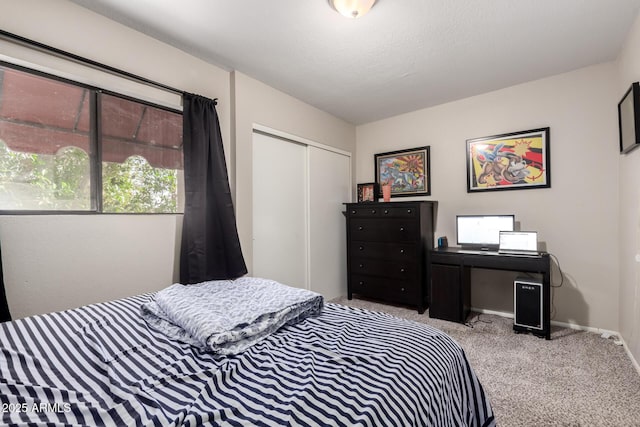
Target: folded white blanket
pixel 228 316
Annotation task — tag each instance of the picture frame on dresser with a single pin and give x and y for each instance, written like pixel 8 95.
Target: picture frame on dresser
pixel 407 171
pixel 367 192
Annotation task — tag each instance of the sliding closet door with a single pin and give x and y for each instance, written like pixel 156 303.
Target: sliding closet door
pixel 280 210
pixel 299 231
pixel 329 188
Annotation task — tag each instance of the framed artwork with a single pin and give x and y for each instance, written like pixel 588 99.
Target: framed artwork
pixel 512 161
pixel 367 192
pixel 407 171
pixel 629 119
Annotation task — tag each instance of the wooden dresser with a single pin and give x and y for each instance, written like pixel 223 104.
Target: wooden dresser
pixel 387 249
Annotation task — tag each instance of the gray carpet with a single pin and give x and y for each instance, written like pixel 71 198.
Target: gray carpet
pixel 576 379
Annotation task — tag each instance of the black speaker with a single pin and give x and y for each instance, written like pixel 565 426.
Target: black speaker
pixel 527 306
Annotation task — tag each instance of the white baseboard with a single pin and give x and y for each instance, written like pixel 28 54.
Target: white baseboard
pixel 572 326
pixel 633 360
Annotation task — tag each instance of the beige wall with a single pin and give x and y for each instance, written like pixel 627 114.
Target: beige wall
pixel 56 262
pixel 576 217
pixel 629 224
pixel 257 103
pixel 88 258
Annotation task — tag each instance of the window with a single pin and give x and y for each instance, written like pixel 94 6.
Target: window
pixel 141 156
pixel 54 157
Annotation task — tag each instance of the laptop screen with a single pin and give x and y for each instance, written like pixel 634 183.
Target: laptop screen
pixel 518 241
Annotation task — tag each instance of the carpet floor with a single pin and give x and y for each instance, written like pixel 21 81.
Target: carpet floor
pixel 576 379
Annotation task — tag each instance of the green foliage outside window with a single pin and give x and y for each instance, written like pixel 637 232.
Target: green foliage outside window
pixel 71 175
pixel 30 181
pixel 136 186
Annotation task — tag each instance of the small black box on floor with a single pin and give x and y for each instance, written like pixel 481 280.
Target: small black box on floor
pixel 527 306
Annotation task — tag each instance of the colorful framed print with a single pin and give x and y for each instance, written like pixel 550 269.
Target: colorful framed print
pixel 367 192
pixel 512 161
pixel 407 171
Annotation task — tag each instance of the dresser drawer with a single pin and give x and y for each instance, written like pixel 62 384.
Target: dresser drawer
pixel 383 268
pixel 392 230
pixel 382 211
pixel 388 251
pixel 379 287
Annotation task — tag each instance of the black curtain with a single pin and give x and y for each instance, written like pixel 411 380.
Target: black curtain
pixel 210 244
pixel 5 316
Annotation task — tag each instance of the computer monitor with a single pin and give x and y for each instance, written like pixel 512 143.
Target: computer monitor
pixel 482 231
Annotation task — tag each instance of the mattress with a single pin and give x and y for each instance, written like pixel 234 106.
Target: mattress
pixel 103 365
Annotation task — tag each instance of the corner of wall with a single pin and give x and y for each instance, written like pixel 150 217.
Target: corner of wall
pixel 628 71
pixel 231 167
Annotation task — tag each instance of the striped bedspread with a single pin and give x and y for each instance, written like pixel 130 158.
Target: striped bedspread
pixel 103 365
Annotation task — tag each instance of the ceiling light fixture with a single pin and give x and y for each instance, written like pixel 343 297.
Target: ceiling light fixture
pixel 352 8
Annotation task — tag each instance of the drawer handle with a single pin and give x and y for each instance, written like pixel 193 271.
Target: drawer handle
pixel 353 212
pixel 408 210
pixel 361 282
pixel 401 228
pixel 361 248
pixel 401 251
pixel 361 228
pixel 401 289
pixel 373 211
pixel 360 265
pixel 386 211
pixel 402 270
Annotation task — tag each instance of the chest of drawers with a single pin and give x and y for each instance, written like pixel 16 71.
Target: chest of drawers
pixel 387 249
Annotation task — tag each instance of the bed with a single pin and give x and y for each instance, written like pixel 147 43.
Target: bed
pixel 103 364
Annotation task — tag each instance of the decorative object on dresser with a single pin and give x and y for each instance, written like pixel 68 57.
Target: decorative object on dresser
pixel 386 192
pixel 367 192
pixel 512 161
pixel 407 171
pixel 387 249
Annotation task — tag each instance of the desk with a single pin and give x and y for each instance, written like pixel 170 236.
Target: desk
pixel 450 270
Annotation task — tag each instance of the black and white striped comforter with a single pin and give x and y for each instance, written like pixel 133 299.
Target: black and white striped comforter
pixel 102 365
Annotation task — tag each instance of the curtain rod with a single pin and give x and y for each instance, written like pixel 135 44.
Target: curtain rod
pixel 94 64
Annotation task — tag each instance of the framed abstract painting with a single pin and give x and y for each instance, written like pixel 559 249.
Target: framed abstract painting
pixel 511 161
pixel 407 171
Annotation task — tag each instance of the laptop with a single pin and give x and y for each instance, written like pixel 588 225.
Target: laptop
pixel 518 243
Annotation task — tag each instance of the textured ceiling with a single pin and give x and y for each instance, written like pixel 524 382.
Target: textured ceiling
pixel 402 56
